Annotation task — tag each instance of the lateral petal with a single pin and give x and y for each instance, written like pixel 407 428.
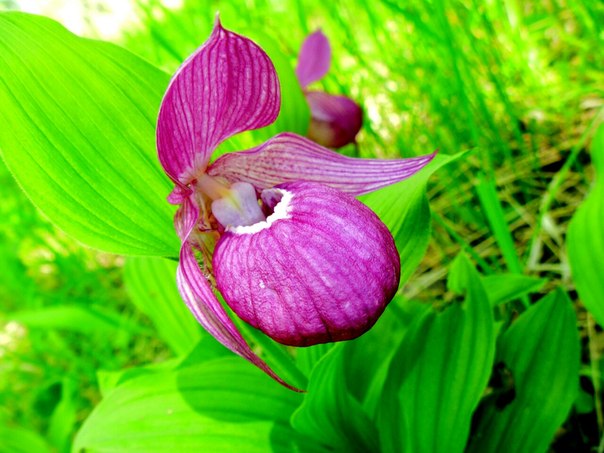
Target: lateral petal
pixel 314 59
pixel 229 85
pixel 197 293
pixel 288 158
pixel 335 121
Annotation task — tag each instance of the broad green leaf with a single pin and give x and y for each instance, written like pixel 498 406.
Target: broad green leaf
pixel 585 239
pixel 330 414
pixel 503 288
pixel 440 371
pixel 78 134
pixel 540 353
pixel 222 405
pixel 404 208
pixel 20 440
pixel 151 285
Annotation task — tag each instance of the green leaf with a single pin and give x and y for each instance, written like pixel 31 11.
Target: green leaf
pixel 440 371
pixel 206 349
pixel 76 318
pixel 20 440
pixel 151 285
pixel 78 134
pixel 404 208
pixel 330 414
pixel 503 288
pixel 308 357
pixel 585 240
pixel 63 418
pixel 368 358
pixel 221 405
pixel 493 211
pixel 540 354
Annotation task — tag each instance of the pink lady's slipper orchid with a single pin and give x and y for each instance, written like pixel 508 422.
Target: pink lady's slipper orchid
pixel 276 229
pixel 335 120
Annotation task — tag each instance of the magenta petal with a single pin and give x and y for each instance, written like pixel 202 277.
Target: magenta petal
pixel 199 297
pixel 335 120
pixel 289 157
pixel 314 59
pixel 322 269
pixel 228 85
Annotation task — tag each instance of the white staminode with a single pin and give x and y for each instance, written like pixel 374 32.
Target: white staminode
pixel 282 211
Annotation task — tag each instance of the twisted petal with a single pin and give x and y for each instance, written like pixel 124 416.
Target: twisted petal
pixel 314 59
pixel 199 297
pixel 323 269
pixel 335 121
pixel 288 157
pixel 228 85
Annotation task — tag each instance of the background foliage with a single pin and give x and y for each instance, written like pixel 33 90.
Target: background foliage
pixel 491 321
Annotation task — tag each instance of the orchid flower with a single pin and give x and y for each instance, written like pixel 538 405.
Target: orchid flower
pixel 275 229
pixel 335 120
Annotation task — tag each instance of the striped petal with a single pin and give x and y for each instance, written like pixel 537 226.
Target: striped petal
pixel 229 85
pixel 197 293
pixel 314 59
pixel 289 158
pixel 335 120
pixel 321 268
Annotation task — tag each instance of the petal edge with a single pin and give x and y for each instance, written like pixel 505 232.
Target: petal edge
pixel 314 59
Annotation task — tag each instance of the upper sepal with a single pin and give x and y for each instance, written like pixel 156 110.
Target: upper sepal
pixel 229 85
pixel 314 59
pixel 322 268
pixel 288 158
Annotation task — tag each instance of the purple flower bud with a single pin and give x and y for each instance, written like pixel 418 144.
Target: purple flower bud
pixel 335 120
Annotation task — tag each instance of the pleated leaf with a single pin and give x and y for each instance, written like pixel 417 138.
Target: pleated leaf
pixel 222 405
pixel 585 239
pixel 440 371
pixel 540 357
pixel 78 134
pixel 151 285
pixel 404 208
